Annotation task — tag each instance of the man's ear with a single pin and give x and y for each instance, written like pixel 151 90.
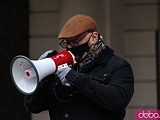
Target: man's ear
pixel 94 38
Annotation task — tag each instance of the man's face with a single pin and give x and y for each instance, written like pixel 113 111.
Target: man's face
pixel 90 37
pixel 81 45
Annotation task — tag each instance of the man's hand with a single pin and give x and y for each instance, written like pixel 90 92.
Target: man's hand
pixel 62 72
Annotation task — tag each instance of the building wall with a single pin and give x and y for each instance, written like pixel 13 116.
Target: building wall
pixel 44 19
pixel 128 26
pixel 140 25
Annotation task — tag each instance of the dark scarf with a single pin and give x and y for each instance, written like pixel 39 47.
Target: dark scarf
pixel 98 54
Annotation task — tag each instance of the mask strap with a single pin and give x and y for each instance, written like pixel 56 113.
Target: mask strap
pixel 86 53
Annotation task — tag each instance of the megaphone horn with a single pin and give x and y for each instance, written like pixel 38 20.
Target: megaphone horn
pixel 26 74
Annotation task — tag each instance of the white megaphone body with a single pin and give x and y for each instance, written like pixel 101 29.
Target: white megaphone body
pixel 26 74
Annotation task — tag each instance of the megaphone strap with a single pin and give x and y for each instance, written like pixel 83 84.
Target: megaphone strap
pixel 62 93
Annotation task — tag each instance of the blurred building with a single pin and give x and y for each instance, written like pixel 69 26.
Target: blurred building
pixel 128 26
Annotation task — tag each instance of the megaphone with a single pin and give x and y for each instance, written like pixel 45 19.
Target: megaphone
pixel 26 74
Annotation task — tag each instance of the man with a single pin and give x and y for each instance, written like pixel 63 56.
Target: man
pixel 98 87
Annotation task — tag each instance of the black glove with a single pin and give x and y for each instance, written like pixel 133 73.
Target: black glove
pixel 48 53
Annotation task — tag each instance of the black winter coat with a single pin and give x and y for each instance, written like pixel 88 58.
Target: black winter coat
pixel 102 92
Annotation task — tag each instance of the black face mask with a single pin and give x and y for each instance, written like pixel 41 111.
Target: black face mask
pixel 80 50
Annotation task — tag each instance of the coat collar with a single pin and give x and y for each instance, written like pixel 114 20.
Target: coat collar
pixel 104 55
